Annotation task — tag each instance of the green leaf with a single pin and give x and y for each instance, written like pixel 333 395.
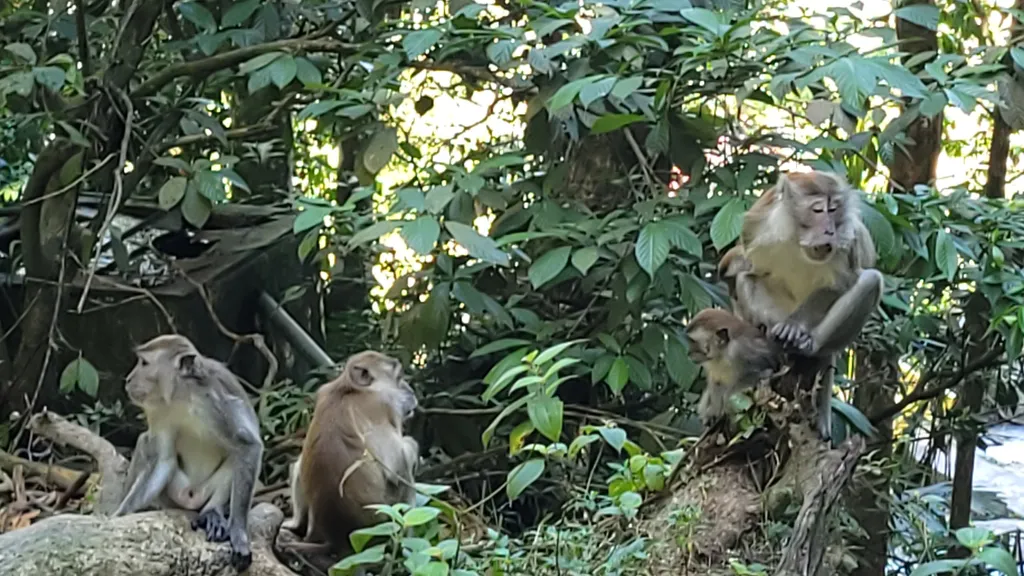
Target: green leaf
pixel 504 365
pixel 315 109
pixel 652 247
pixel 945 254
pixel 258 62
pixel 310 217
pixel 421 234
pixel 548 266
pixel 706 19
pixel 855 417
pixel 307 72
pixel 18 83
pixel 613 122
pixel 195 207
pixel 210 184
pixel 23 51
pixel 550 353
pixel 924 15
pixel 680 236
pixel 520 478
pixel 596 90
pixel 239 13
pixel 418 42
pixel 618 375
pixel 438 197
pixel 727 224
pixel 282 71
pixel 51 77
pixel 567 93
pixel 546 414
pixel 172 192
pixel 197 14
pixel 938 567
pixel 693 294
pixel 500 52
pixel 615 437
pixel 934 103
pixel 419 516
pixel 259 80
pixel 361 537
pixel 81 372
pixel 584 258
pixel 373 231
pixel 974 537
pixel 999 559
pixel 1018 56
pixel 478 246
pixel 372 555
pixel 681 369
pixel 380 149
pixel 175 163
pixel 498 346
pixel 357 111
pixel 626 86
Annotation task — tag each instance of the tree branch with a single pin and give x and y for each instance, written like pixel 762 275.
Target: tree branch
pixel 921 392
pixel 206 66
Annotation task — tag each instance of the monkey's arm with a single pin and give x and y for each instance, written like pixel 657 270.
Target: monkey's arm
pixel 156 463
pixel 827 322
pixel 240 426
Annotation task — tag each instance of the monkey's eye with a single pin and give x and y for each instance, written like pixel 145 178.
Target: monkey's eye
pixel 143 361
pixel 817 210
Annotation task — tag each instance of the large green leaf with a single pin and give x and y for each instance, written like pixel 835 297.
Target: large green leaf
pixel 727 224
pixel 50 76
pixel 520 478
pixel 584 258
pixel 314 109
pixel 498 346
pixel 82 373
pixel 417 43
pixel 172 192
pixel 310 217
pixel 706 19
pixel 613 122
pixel 618 375
pixel 924 15
pixel 23 51
pixel 652 247
pixel 282 71
pixel 478 246
pixel 198 14
pixel 546 414
pixel 195 207
pixel 259 62
pixel 680 236
pixel 373 231
pixel 945 254
pixel 545 268
pixel 999 559
pixel 239 13
pixel 421 234
pixel 591 92
pixel 307 72
pixel 568 92
pixel 379 150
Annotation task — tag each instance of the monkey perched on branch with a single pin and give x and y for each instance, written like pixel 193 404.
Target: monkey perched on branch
pixel 734 355
pixel 202 450
pixel 804 272
pixel 355 453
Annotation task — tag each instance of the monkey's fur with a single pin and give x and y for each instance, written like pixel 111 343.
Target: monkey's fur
pixel 803 272
pixel 202 450
pixel 734 355
pixel 360 412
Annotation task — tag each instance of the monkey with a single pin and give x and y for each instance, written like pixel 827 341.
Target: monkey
pixel 354 453
pixel 803 272
pixel 202 449
pixel 734 354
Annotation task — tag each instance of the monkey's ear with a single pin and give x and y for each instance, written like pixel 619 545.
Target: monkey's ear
pixel 361 376
pixel 723 335
pixel 188 365
pixel 784 186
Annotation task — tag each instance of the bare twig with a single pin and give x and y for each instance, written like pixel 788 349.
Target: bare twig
pixel 115 198
pixel 254 339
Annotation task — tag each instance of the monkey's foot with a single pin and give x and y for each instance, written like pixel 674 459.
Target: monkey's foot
pixel 214 524
pixel 793 337
pixel 241 554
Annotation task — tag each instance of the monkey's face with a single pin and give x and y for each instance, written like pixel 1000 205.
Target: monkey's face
pixel 383 374
pixel 144 385
pixel 818 203
pixel 158 367
pixel 704 345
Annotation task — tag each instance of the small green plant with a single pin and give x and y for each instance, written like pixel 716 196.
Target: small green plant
pixel 984 553
pixel 741 569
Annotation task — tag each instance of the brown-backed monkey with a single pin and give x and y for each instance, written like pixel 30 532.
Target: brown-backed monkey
pixel 807 276
pixel 355 453
pixel 202 450
pixel 734 355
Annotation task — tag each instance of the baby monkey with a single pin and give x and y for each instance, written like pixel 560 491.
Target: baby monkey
pixel 734 354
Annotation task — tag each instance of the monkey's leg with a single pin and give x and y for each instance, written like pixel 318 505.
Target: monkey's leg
pixel 844 320
pixel 300 508
pixel 823 401
pixel 156 465
pixel 245 463
pixel 216 493
pixel 712 405
pixel 794 333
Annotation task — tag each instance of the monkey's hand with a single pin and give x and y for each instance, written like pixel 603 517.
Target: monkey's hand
pixel 213 523
pixel 793 337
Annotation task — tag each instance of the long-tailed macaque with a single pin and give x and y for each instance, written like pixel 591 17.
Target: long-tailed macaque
pixel 202 450
pixel 804 271
pixel 355 453
pixel 734 355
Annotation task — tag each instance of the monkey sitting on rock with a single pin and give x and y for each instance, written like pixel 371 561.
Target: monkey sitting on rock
pixel 202 450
